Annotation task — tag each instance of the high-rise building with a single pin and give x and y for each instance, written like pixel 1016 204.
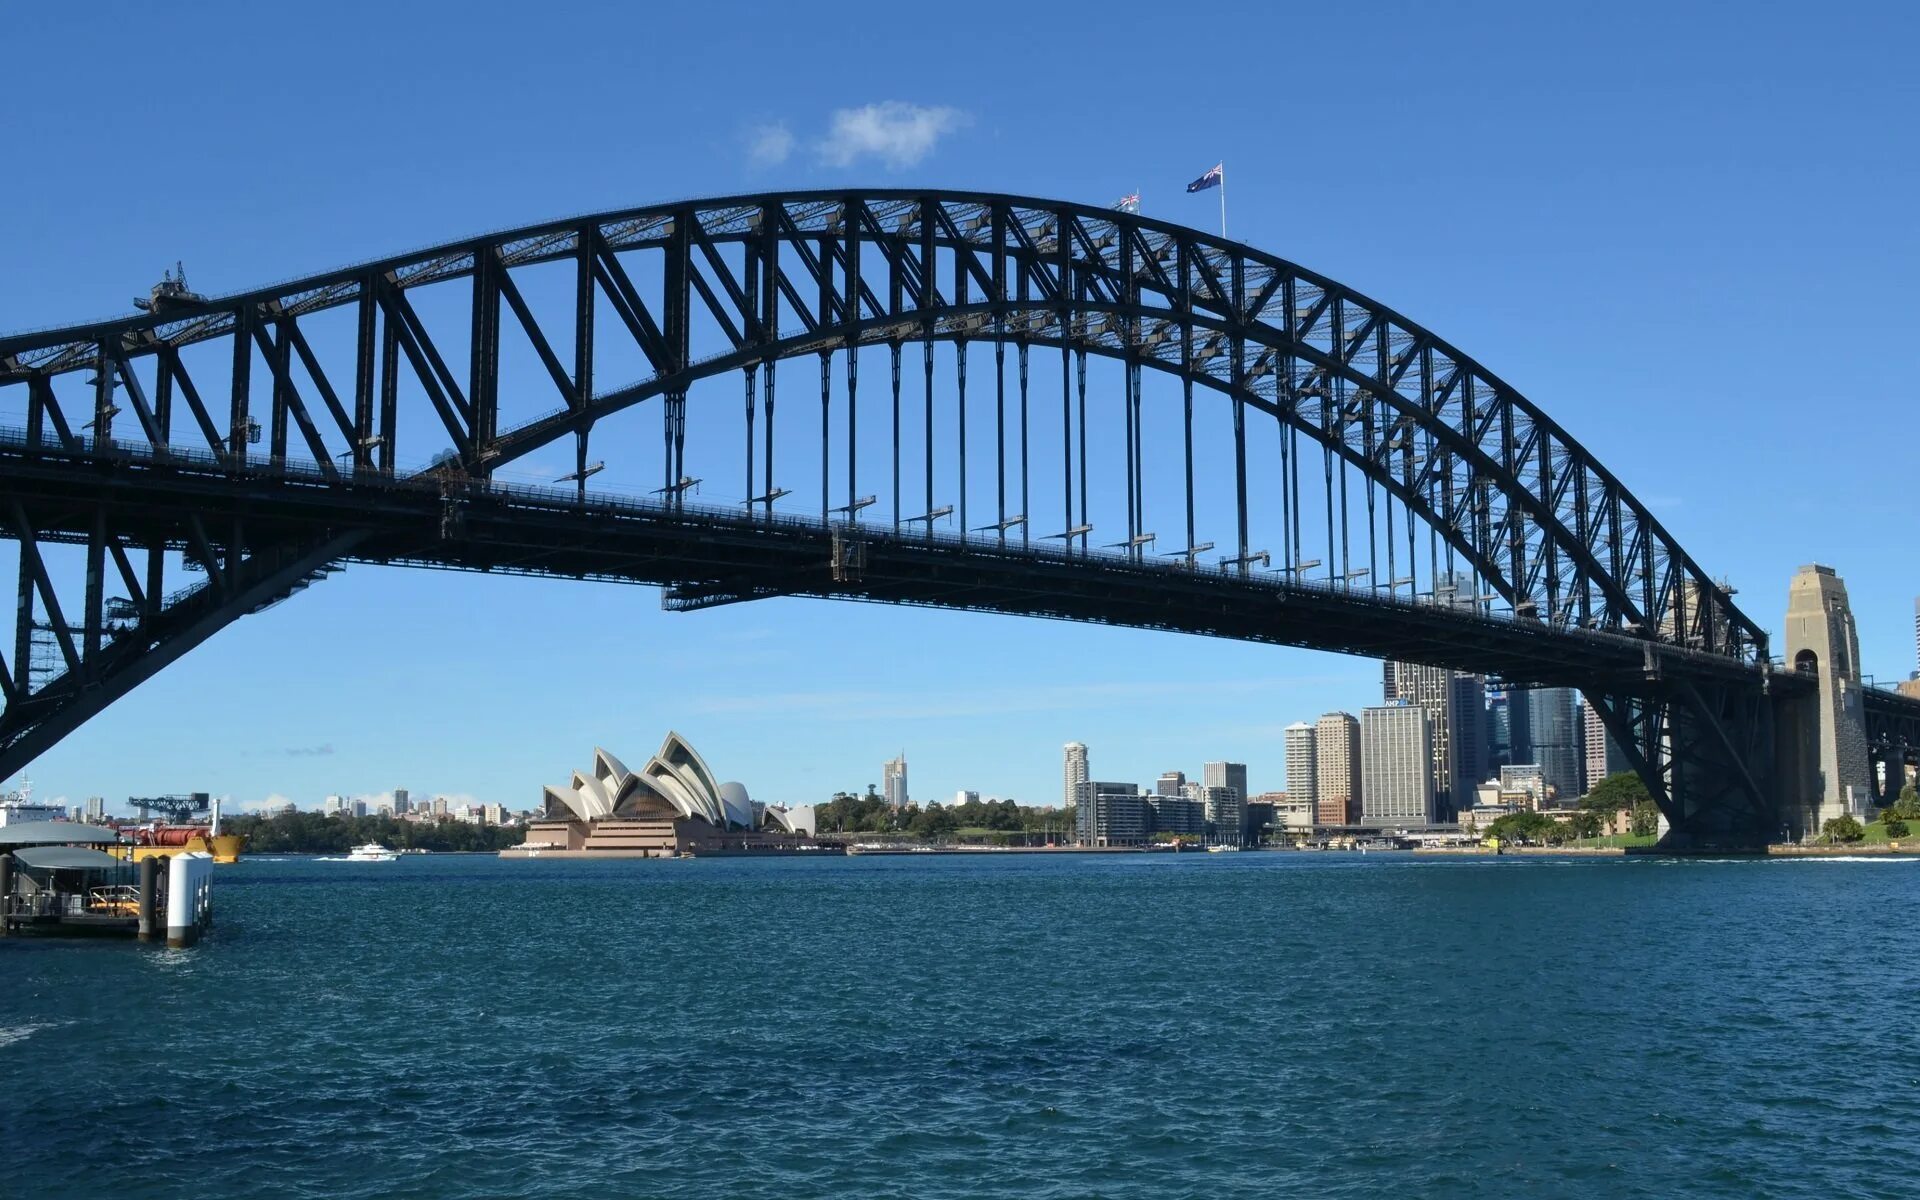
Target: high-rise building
pixel 1171 783
pixel 1396 760
pixel 1226 809
pixel 400 802
pixel 1338 785
pixel 493 814
pixel 96 809
pixel 1302 762
pixel 1556 740
pixel 1509 733
pixel 893 775
pixel 1226 774
pixel 439 808
pixel 963 796
pixel 1075 773
pixel 1110 814
pixel 1602 754
pixel 1456 712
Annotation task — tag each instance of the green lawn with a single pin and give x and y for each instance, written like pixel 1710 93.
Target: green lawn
pixel 1618 840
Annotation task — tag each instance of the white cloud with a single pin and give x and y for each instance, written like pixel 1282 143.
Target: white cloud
pixel 895 132
pixel 769 145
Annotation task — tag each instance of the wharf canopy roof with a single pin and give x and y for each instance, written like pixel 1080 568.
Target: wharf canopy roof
pixel 675 778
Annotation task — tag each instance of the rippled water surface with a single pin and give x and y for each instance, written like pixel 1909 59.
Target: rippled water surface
pixel 1208 1025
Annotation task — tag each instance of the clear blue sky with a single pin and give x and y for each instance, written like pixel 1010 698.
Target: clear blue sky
pixel 1686 231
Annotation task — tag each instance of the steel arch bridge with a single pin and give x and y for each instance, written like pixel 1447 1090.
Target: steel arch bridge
pixel 1330 473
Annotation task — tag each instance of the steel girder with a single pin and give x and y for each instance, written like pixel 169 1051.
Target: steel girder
pixel 1541 522
pixel 1528 512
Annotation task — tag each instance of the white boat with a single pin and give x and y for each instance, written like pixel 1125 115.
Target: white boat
pixel 1222 849
pixel 372 852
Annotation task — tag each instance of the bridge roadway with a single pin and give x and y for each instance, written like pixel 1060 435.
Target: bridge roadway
pixel 704 556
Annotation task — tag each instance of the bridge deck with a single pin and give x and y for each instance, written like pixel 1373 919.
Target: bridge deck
pixel 707 555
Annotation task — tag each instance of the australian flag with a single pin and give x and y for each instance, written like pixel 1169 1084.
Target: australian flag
pixel 1211 179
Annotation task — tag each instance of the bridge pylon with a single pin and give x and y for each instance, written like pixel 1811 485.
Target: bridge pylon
pixel 1822 642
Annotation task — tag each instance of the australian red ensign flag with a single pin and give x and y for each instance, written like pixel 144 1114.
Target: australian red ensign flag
pixel 1211 179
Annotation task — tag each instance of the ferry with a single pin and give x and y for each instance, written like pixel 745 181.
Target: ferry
pixel 372 852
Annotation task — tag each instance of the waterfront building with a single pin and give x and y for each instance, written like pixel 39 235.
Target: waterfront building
pixel 1075 772
pixel 1110 814
pixel 1171 783
pixel 672 806
pixel 1226 774
pixel 401 805
pixel 1556 740
pixel 1337 777
pixel 1456 713
pixel 1226 810
pixel 893 773
pixel 1396 760
pixel 1177 814
pixel 1302 757
pixel 1603 756
pixel 1294 814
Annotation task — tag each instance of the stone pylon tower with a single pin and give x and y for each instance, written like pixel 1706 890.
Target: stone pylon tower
pixel 1821 641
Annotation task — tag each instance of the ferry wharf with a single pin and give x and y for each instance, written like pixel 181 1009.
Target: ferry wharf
pixel 56 881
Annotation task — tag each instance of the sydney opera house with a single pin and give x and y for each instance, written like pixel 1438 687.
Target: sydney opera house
pixel 671 807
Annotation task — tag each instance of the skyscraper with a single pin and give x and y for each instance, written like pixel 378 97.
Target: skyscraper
pixel 1302 764
pixel 1075 773
pixel 1337 781
pixel 1171 783
pixel 893 775
pixel 1509 733
pixel 1603 755
pixel 400 802
pixel 1226 774
pixel 1456 713
pixel 1556 745
pixel 1396 760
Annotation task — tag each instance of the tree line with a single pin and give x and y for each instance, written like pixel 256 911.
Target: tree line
pixel 848 813
pixel 1624 790
pixel 316 833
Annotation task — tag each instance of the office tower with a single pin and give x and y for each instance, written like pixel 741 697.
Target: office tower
pixel 893 774
pixel 1225 774
pixel 1396 760
pixel 1523 786
pixel 1110 814
pixel 439 808
pixel 1302 762
pixel 1603 756
pixel 1509 733
pixel 963 796
pixel 1556 744
pixel 359 807
pixel 1171 783
pixel 96 809
pixel 401 805
pixel 1226 810
pixel 1075 773
pixel 493 814
pixel 1337 781
pixel 1455 705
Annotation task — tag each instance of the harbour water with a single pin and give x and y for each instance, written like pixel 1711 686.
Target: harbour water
pixel 1119 1026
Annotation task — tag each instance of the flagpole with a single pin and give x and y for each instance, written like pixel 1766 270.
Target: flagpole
pixel 1223 198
